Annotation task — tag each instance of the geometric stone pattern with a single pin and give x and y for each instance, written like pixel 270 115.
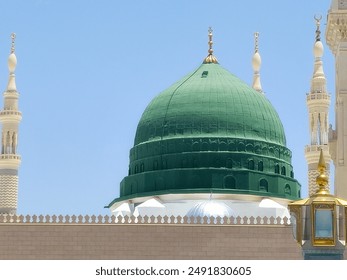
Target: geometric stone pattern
pixel 8 191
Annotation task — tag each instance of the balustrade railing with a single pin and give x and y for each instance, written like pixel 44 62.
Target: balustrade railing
pixel 138 220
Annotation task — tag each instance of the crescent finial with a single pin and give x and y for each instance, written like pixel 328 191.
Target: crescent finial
pixel 13 38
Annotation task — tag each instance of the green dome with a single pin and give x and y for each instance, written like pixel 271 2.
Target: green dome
pixel 210 132
pixel 210 102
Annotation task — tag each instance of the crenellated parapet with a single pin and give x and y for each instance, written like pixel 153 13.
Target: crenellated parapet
pixel 136 220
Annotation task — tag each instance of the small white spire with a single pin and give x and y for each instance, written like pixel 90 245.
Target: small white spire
pixel 318 81
pixel 12 63
pixel 256 63
pixel 318 49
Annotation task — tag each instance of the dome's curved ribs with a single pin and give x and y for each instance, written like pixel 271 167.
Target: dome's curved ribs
pixel 172 94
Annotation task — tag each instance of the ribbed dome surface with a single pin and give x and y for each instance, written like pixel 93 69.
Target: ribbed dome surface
pixel 210 102
pixel 210 132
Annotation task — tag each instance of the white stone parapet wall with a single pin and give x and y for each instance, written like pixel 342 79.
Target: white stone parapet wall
pixel 108 238
pixel 9 193
pixel 136 220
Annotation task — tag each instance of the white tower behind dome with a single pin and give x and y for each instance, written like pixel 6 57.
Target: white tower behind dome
pixel 256 63
pixel 318 102
pixel 336 36
pixel 9 158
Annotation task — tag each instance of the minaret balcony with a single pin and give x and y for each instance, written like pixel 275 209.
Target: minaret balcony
pixel 318 96
pixel 9 161
pixel 10 115
pixel 312 153
pixel 316 148
pixel 10 156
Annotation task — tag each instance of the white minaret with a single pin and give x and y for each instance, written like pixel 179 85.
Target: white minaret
pixel 336 36
pixel 9 159
pixel 318 102
pixel 256 63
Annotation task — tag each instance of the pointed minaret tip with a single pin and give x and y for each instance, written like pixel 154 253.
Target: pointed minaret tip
pixel 12 59
pixel 256 63
pixel 318 46
pixel 210 57
pixel 318 18
pixel 12 63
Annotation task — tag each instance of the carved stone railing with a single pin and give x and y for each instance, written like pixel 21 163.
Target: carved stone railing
pixel 133 220
pixel 10 156
pixel 318 96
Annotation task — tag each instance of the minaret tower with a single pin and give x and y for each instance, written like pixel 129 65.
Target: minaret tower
pixel 318 102
pixel 9 158
pixel 336 36
pixel 256 63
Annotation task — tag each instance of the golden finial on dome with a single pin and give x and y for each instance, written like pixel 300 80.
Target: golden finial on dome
pixel 322 179
pixel 13 37
pixel 318 32
pixel 210 58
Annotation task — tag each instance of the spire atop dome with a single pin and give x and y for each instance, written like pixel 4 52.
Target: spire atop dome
pixel 210 57
pixel 256 62
pixel 12 63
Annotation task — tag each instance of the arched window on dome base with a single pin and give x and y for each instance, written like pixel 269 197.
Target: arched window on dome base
pixel 260 166
pixel 251 164
pixel 263 185
pixel 277 169
pixel 229 163
pixel 229 182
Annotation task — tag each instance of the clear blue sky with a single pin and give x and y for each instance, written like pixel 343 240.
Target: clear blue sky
pixel 87 69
